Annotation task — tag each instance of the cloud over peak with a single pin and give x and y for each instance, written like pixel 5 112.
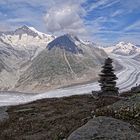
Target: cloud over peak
pixel 65 17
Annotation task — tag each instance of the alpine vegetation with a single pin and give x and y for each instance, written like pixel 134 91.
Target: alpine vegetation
pixel 108 79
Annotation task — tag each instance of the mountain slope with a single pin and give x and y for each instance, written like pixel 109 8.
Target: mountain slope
pixel 17 48
pixel 65 61
pixel 10 60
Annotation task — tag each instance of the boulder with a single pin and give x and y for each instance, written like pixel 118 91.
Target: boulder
pixel 105 128
pixel 3 114
pixel 127 110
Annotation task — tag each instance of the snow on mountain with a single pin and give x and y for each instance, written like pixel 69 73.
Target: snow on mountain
pixel 27 39
pixel 123 48
pixel 17 49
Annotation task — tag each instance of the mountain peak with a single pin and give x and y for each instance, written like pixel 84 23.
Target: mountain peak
pixel 31 31
pixel 72 37
pixel 25 30
pixel 121 43
pixel 24 27
pixel 26 38
pixel 40 33
pixel 125 43
pixel 123 48
pixel 66 42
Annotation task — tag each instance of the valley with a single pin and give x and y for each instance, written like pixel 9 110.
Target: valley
pixel 49 66
pixel 129 76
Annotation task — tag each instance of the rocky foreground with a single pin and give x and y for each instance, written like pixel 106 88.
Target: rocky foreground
pixel 74 118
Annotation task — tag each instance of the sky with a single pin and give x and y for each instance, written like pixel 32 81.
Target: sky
pixel 104 22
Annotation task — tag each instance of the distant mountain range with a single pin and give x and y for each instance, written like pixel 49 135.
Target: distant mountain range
pixel 123 48
pixel 31 60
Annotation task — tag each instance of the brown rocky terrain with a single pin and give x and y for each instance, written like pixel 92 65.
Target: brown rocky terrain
pixel 58 118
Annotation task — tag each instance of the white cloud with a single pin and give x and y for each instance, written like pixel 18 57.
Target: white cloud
pixel 130 5
pixel 4 26
pixel 135 26
pixel 65 16
pixel 130 37
pixel 110 3
pixel 117 13
pixel 101 4
pixel 31 2
pixel 16 20
pixel 68 16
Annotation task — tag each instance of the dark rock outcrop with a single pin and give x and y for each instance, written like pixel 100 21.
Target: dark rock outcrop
pixel 105 128
pixel 127 110
pixel 66 42
pixel 3 114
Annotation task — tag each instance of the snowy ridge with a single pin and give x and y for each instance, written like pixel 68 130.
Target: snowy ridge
pixel 40 33
pixel 123 48
pixel 26 38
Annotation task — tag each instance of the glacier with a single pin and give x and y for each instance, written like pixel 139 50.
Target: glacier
pixel 129 76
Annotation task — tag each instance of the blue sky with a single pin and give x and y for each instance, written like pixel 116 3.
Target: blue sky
pixel 102 21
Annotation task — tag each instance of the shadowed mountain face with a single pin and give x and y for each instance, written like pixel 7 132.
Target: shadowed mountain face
pixel 65 61
pixel 66 42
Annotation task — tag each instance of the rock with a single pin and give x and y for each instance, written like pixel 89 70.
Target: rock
pixel 127 110
pixel 3 114
pixel 136 89
pixel 105 128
